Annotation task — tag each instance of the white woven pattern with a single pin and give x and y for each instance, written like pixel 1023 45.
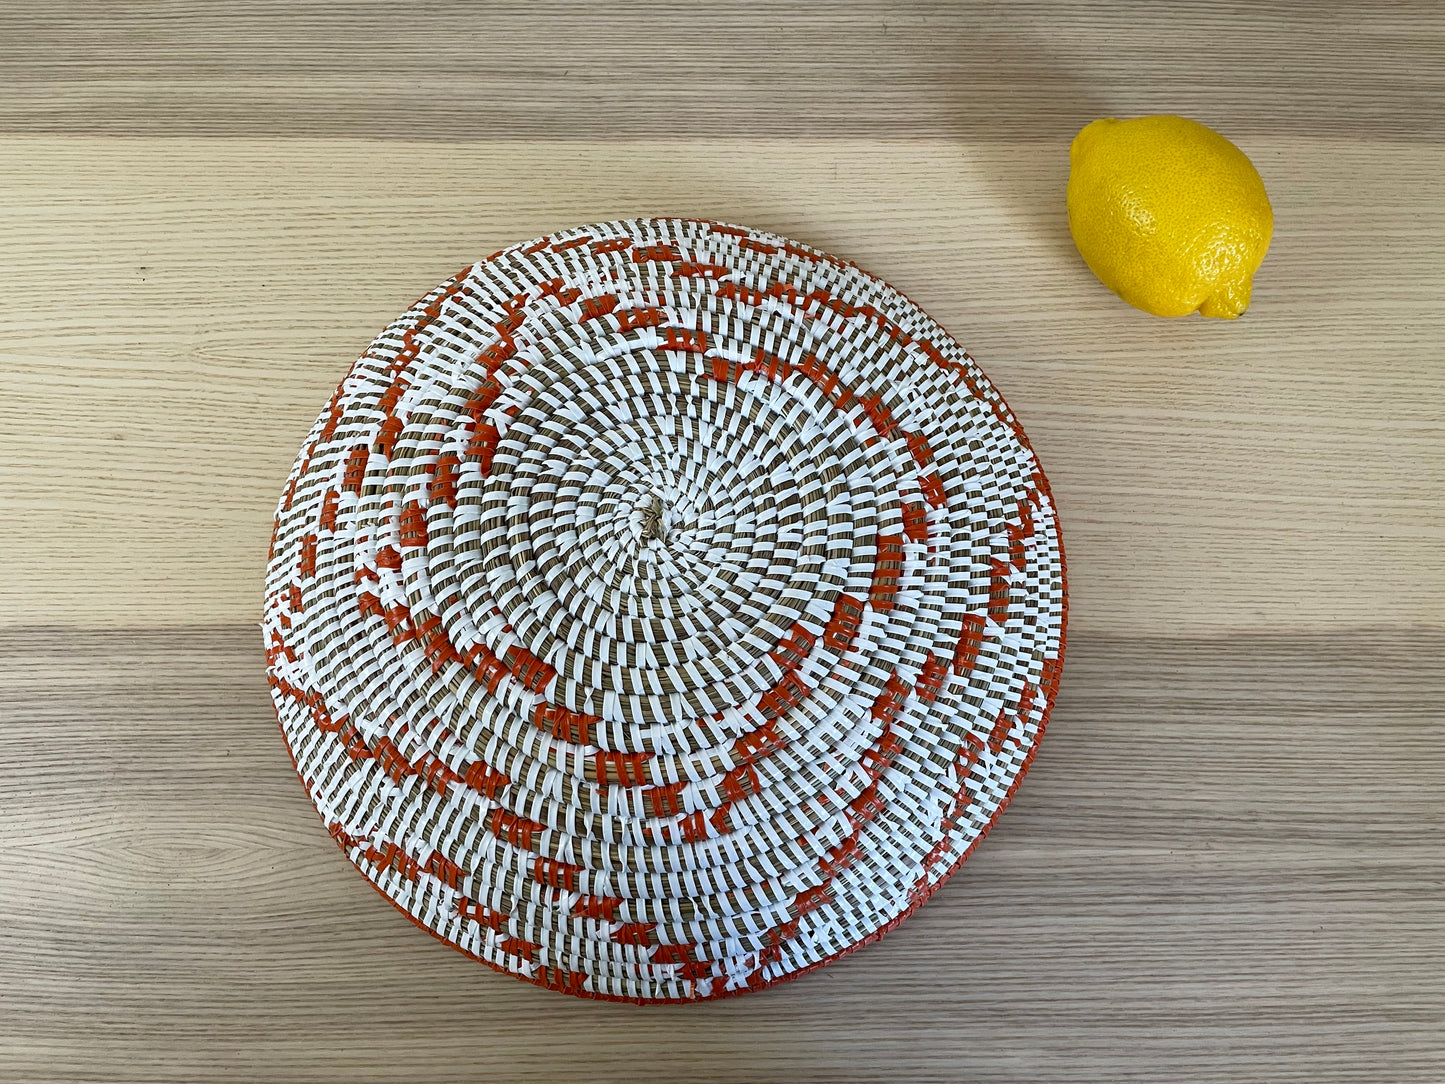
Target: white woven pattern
pixel 661 608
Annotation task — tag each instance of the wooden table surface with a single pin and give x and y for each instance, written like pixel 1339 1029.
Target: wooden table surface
pixel 1228 862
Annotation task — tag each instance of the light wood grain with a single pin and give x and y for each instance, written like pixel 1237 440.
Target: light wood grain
pixel 1282 471
pixel 1227 863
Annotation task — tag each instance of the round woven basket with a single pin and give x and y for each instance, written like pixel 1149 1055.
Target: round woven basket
pixel 662 609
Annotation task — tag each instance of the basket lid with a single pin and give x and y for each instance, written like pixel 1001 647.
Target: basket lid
pixel 661 609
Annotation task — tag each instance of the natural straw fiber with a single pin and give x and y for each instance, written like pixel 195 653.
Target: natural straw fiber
pixel 662 609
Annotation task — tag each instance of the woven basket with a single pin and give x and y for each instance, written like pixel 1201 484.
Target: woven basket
pixel 662 609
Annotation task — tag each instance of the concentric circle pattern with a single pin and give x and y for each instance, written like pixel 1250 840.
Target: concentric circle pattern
pixel 660 609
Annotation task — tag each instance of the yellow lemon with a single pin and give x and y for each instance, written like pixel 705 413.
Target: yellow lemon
pixel 1169 214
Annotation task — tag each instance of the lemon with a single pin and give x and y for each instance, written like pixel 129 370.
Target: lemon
pixel 1169 214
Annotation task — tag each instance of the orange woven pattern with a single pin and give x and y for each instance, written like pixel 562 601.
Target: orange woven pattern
pixel 661 609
